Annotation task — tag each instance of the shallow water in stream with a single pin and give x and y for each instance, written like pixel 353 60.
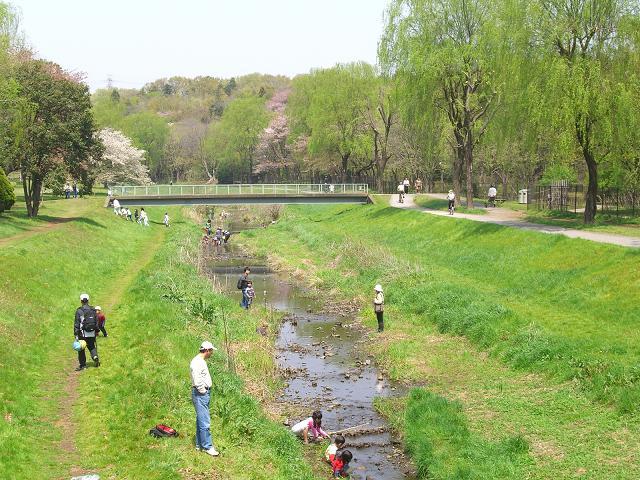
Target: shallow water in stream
pixel 318 355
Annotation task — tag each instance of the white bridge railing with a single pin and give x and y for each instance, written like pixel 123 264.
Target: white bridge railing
pixel 240 189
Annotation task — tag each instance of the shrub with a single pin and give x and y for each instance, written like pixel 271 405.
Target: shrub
pixel 7 195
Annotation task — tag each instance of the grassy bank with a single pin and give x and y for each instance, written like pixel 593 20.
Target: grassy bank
pixel 55 423
pixel 441 204
pixel 563 310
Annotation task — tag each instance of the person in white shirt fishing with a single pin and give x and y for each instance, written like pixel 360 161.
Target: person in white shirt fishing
pixel 201 396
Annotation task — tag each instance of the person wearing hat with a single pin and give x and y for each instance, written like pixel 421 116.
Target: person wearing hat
pixel 85 328
pixel 200 396
pixel 378 306
pixel 101 320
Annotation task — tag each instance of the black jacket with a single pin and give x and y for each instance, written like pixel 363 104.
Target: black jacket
pixel 81 312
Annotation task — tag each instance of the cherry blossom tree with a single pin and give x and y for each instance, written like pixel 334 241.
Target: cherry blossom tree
pixel 121 162
pixel 273 155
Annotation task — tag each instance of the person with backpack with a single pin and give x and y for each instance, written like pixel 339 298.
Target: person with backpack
pixel 242 285
pixel 85 328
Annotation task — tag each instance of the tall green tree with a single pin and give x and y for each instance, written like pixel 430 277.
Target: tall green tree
pixel 442 51
pixel 233 141
pixel 581 40
pixel 329 106
pixel 60 131
pixel 149 132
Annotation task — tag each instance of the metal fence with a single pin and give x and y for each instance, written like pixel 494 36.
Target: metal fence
pixel 564 197
pixel 240 189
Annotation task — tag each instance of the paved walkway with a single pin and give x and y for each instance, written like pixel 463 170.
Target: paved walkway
pixel 511 218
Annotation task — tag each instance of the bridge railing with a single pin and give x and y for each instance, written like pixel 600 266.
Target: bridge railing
pixel 240 189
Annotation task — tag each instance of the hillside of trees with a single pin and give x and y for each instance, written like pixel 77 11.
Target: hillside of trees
pixel 464 94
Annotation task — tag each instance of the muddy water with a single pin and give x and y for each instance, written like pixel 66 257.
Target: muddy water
pixel 318 356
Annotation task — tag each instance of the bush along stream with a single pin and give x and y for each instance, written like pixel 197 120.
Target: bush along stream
pixel 321 359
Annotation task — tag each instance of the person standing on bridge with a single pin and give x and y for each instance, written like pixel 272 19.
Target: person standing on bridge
pixel 378 306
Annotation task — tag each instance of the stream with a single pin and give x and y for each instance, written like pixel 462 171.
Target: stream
pixel 318 355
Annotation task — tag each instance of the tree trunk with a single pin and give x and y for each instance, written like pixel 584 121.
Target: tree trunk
pixel 32 188
pixel 590 207
pixel 458 164
pixel 345 165
pixel 468 161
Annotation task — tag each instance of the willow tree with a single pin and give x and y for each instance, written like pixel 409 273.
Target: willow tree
pixel 328 106
pixel 581 39
pixel 441 51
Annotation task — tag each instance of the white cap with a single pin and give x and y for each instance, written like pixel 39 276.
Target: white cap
pixel 98 308
pixel 84 296
pixel 378 288
pixel 207 346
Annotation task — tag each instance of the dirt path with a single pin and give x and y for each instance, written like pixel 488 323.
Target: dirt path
pixel 510 218
pixel 77 210
pixel 71 398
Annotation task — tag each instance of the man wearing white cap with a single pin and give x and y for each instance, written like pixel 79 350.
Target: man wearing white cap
pixel 85 328
pixel 200 395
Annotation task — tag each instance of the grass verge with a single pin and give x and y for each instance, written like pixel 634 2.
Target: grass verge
pixel 478 312
pixel 159 317
pixel 440 204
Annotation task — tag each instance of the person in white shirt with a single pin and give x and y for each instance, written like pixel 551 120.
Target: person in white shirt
pixel 406 183
pixel 116 206
pixel 493 193
pixel 401 193
pixel 200 396
pixel 451 197
pixel 166 219
pixel 144 219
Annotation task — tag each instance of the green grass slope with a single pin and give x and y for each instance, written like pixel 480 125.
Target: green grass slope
pixel 54 423
pixel 558 318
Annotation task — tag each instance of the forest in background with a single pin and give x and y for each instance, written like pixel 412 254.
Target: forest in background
pixel 465 93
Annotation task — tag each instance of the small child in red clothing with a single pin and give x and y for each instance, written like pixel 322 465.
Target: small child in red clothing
pixel 101 320
pixel 340 463
pixel 330 452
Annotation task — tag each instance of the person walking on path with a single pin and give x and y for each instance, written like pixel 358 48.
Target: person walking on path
pixel 101 321
pixel 242 285
pixel 406 184
pixel 67 190
pixel 85 328
pixel 75 190
pixel 200 396
pixel 166 219
pixel 492 194
pixel 378 306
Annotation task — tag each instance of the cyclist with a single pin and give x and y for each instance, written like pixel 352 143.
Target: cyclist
pixel 401 192
pixel 451 197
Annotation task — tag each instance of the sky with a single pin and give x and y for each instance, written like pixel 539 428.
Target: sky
pixel 137 41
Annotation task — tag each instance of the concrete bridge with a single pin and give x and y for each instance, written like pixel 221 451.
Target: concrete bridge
pixel 240 194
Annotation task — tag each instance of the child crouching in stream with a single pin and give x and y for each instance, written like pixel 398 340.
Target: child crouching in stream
pixel 340 463
pixel 312 424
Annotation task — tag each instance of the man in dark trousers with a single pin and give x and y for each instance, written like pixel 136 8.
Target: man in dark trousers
pixel 242 284
pixel 86 328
